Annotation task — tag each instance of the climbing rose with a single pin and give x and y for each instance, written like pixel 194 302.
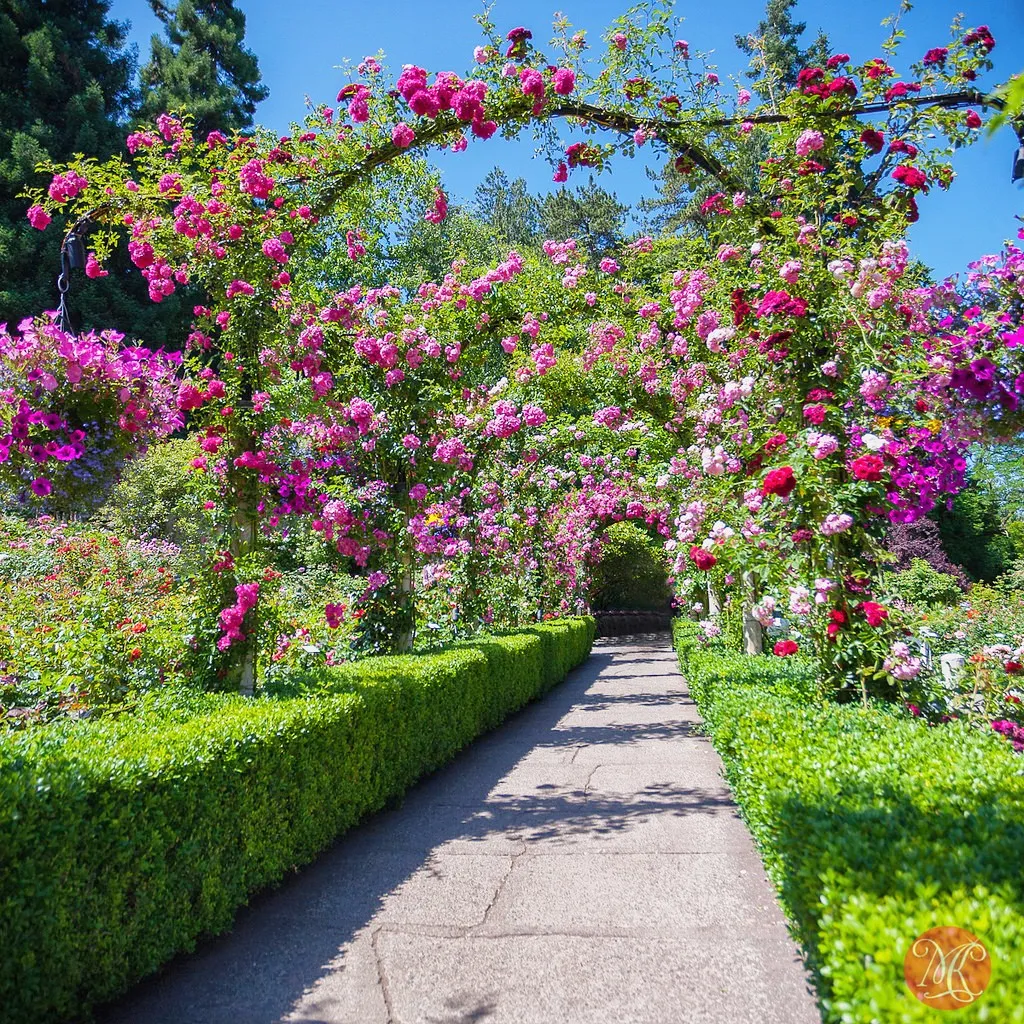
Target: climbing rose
pixel 704 560
pixel 873 140
pixel 912 177
pixel 809 141
pixel 38 218
pixel 868 467
pixel 564 81
pixel 779 481
pixel 784 648
pixel 874 613
pixel 93 267
pixel 402 135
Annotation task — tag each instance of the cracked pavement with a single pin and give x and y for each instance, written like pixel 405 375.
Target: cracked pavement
pixel 583 863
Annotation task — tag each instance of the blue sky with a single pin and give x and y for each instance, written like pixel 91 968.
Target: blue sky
pixel 302 43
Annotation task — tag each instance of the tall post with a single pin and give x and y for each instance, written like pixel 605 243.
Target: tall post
pixel 753 632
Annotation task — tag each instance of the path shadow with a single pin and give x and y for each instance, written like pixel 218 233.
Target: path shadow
pixel 285 940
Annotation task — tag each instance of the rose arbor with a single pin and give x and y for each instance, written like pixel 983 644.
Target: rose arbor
pixel 788 382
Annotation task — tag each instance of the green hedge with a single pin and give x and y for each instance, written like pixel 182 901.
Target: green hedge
pixel 123 842
pixel 875 827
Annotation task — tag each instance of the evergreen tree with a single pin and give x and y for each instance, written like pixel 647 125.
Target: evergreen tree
pixel 65 88
pixel 775 52
pixel 202 67
pixel 591 215
pixel 776 58
pixel 507 208
pixel 973 535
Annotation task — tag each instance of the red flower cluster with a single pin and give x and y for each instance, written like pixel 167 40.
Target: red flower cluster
pixel 779 481
pixel 900 89
pixel 868 467
pixel 781 302
pixel 784 648
pixel 912 177
pixel 704 560
pixel 982 36
pixel 837 619
pixel 875 613
pixel 579 154
pixel 873 140
pixel 811 82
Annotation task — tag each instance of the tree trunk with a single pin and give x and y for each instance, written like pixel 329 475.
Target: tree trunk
pixel 753 632
pixel 714 602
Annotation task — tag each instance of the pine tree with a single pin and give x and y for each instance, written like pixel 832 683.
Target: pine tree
pixel 202 67
pixel 776 58
pixel 591 215
pixel 507 208
pixel 66 86
pixel 775 52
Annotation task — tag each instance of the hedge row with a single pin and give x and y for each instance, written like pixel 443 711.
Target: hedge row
pixel 123 842
pixel 875 827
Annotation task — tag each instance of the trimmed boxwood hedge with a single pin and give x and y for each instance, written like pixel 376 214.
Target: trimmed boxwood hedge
pixel 123 842
pixel 874 827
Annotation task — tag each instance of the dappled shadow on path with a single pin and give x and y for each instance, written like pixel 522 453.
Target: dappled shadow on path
pixel 286 940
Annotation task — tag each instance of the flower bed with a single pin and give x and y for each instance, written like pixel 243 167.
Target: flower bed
pixel 873 826
pixel 127 839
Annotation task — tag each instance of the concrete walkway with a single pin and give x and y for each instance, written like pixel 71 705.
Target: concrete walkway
pixel 583 863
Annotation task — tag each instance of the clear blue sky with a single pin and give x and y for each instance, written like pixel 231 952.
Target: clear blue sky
pixel 301 43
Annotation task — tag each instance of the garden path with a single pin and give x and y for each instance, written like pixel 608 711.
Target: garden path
pixel 583 863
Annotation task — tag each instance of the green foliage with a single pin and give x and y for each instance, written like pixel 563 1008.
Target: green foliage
pixel 66 87
pixel 425 251
pixel 202 67
pixel 125 841
pixel 922 585
pixel 775 52
pixel 508 209
pixel 631 574
pixel 591 215
pixel 973 535
pixel 874 827
pixel 160 495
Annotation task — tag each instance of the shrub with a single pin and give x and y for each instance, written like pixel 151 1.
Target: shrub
pixel 922 585
pixel 160 495
pixel 125 840
pixel 874 827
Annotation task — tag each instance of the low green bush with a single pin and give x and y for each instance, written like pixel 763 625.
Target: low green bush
pixel 874 827
pixel 125 840
pixel 922 585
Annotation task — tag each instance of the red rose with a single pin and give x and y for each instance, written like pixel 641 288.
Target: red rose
pixel 912 177
pixel 704 560
pixel 837 619
pixel 779 481
pixel 868 467
pixel 874 613
pixel 784 648
pixel 1013 667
